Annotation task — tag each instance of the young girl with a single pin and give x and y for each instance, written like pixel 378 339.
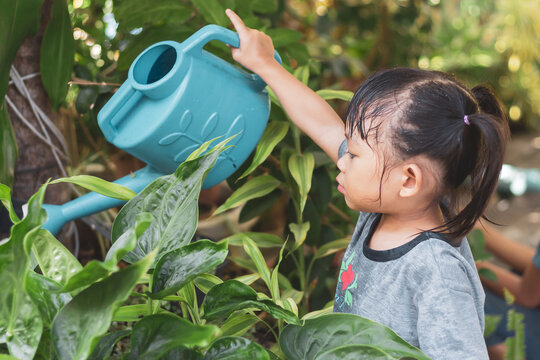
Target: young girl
pixel 416 146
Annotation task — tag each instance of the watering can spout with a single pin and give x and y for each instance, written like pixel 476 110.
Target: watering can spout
pixel 91 203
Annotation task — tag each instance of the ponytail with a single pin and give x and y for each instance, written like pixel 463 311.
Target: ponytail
pixel 486 136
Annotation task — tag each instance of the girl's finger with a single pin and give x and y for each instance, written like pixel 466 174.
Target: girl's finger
pixel 236 21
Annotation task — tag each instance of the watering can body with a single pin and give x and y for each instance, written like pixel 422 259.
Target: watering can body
pixel 176 97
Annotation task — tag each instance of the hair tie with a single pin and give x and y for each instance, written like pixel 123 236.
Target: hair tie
pixel 466 120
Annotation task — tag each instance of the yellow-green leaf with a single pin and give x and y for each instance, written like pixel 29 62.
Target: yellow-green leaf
pixel 273 134
pixel 300 232
pixel 255 254
pixel 329 94
pixel 301 168
pixel 331 247
pixel 254 188
pixel 262 240
pixel 100 186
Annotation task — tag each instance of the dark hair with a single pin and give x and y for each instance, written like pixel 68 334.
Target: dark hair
pixel 422 113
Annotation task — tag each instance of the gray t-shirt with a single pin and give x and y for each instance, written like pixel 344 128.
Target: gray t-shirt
pixel 426 290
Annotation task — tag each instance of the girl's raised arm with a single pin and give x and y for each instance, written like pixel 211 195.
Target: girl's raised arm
pixel 307 110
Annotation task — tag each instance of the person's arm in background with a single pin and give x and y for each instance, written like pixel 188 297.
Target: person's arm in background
pixel 515 254
pixel 314 116
pixel 525 288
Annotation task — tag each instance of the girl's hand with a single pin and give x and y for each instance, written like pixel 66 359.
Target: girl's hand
pixel 256 49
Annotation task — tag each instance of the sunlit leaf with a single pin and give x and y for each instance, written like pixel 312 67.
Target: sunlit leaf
pixel 273 134
pixel 254 188
pixel 329 94
pixel 301 168
pixel 100 186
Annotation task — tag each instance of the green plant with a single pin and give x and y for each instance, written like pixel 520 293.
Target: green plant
pixel 53 307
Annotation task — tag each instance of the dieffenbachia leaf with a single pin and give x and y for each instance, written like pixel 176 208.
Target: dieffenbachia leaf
pixel 21 324
pixel 95 269
pixel 155 335
pixel 223 299
pixel 5 199
pixel 338 336
pixel 80 324
pixel 232 347
pixel 180 266
pixel 173 202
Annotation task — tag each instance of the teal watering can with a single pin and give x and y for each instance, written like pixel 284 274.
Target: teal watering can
pixel 176 97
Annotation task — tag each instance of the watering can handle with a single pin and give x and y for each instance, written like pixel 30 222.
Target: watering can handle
pixel 216 32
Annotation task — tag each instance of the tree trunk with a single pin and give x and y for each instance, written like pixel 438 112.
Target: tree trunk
pixel 36 162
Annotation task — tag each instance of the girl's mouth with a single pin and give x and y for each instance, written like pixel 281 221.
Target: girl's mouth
pixel 341 189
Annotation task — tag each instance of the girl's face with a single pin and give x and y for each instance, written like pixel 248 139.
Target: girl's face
pixel 360 177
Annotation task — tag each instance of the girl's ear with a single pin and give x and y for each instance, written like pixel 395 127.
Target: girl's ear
pixel 411 180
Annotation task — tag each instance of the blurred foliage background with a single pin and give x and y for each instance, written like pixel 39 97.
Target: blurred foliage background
pixel 494 42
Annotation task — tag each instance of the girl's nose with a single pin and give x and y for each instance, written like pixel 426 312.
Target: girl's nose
pixel 341 164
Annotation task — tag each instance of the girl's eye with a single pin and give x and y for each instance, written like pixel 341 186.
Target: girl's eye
pixel 351 155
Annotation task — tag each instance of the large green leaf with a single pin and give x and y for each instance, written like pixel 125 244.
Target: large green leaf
pixel 100 186
pixel 41 290
pixel 57 53
pixel 55 260
pixel 326 333
pixel 264 6
pixel 212 11
pixel 21 325
pixel 273 134
pixel 301 168
pixel 283 37
pixel 132 14
pixel 18 19
pixel 80 324
pixel 106 344
pixel 223 299
pixel 254 188
pixel 95 269
pixel 8 146
pixel 173 202
pixel 235 348
pixel 5 199
pixel 155 335
pixel 179 266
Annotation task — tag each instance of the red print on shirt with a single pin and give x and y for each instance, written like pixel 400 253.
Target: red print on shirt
pixel 347 277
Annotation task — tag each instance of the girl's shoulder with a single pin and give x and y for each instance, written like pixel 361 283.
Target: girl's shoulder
pixel 440 261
